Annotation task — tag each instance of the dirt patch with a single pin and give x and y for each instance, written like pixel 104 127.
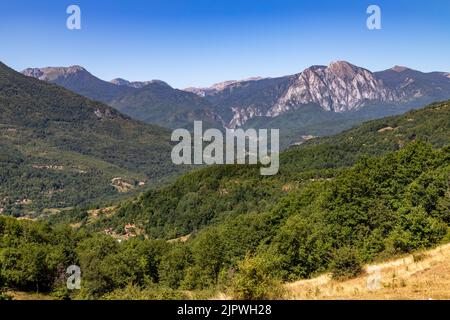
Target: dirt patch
pixel 48 167
pixel 122 185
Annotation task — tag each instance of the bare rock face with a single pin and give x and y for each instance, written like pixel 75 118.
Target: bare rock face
pixel 339 87
pixel 242 115
pixel 136 84
pixel 52 73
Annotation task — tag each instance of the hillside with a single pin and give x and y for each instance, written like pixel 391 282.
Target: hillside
pixel 210 195
pixel 60 149
pixel 299 126
pixel 158 103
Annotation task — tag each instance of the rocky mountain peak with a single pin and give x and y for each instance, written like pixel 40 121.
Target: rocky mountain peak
pixel 52 73
pixel 400 69
pixel 344 69
pixel 337 87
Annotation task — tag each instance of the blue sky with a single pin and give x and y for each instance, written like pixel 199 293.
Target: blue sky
pixel 200 42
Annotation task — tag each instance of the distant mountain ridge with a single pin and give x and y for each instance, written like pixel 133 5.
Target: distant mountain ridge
pixel 217 87
pixel 136 84
pixel 154 102
pixel 340 87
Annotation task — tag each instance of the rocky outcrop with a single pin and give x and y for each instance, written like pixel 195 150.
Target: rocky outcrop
pixel 339 87
pixel 136 84
pixel 52 73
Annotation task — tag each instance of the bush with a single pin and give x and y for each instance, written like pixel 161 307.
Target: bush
pixel 253 281
pixel 345 264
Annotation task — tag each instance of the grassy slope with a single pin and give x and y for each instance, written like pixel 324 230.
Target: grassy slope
pixel 420 276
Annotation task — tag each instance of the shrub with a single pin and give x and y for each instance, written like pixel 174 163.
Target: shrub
pixel 345 264
pixel 253 281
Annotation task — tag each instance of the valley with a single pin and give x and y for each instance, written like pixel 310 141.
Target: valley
pixel 373 192
pixel 256 152
pixel 338 203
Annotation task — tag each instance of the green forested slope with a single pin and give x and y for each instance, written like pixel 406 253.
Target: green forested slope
pixel 209 195
pixel 153 102
pixel 60 149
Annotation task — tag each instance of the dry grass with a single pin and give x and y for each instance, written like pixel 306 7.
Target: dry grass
pixel 420 276
pixel 19 295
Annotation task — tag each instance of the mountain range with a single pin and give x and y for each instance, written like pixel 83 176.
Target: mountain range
pixel 340 88
pixel 154 102
pixel 323 100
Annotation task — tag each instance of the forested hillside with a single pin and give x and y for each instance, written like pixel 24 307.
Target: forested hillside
pixel 209 195
pixel 59 149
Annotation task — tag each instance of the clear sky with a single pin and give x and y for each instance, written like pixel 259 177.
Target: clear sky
pixel 200 42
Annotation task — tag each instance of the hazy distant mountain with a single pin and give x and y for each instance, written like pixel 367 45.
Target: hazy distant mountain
pixel 154 102
pixel 241 101
pixel 219 86
pixel 158 103
pixel 411 84
pixel 339 87
pixel 79 80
